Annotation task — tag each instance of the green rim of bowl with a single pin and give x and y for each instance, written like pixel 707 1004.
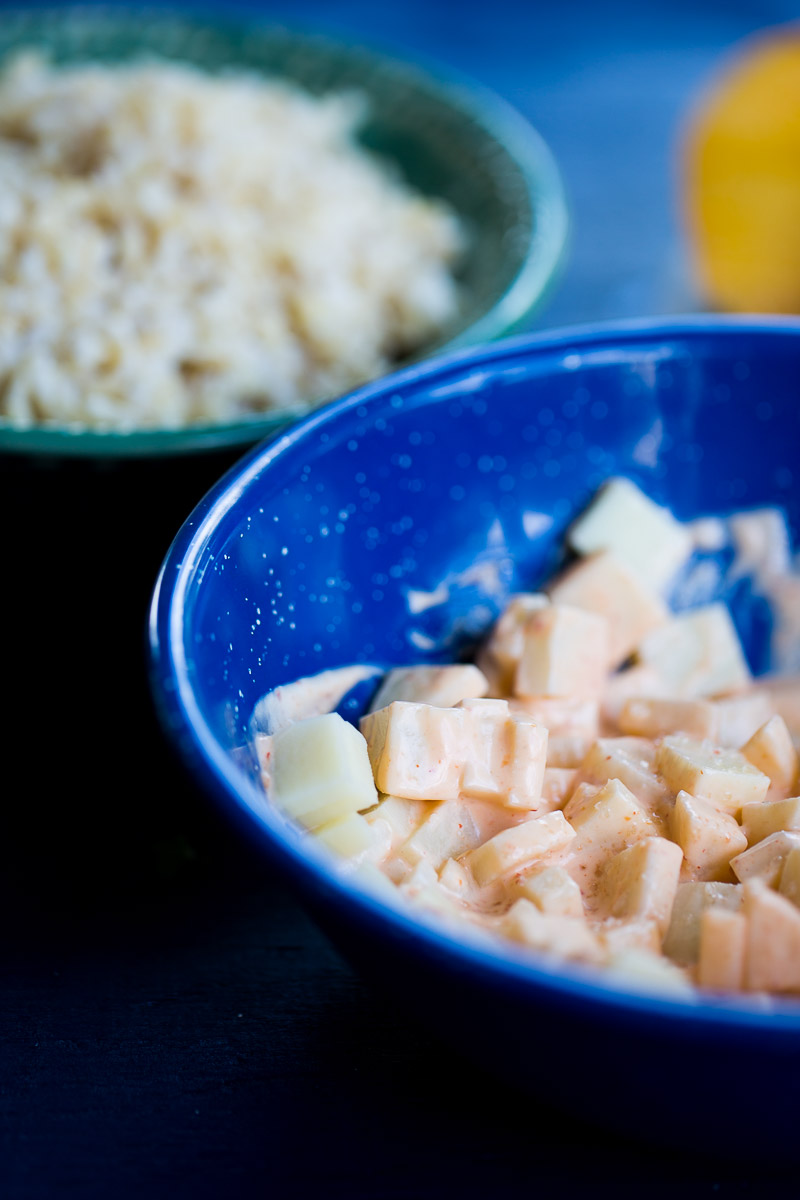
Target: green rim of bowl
pixel 500 148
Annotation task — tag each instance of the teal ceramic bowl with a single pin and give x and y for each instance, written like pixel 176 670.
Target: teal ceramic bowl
pixel 449 137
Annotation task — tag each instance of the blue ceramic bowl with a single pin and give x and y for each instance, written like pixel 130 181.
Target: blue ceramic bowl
pixel 302 559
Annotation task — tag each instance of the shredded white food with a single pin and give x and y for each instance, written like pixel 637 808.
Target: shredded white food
pixel 180 248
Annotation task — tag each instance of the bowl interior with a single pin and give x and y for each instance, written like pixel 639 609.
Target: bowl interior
pixel 447 138
pixel 391 527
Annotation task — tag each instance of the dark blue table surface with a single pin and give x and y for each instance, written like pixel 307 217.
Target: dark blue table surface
pixel 172 1023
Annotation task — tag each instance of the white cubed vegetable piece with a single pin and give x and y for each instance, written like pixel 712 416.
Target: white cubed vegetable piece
pixel 727 723
pixel 562 716
pixel 423 875
pixel 723 944
pixel 772 751
pixel 582 795
pixel 784 695
pixel 790 877
pixel 772 957
pixel 478 749
pixel 724 777
pixel 558 786
pixel 448 832
pixel 416 750
pixel 653 717
pixel 770 816
pixel 311 696
pixel 506 755
pixel 552 890
pixel 352 837
pixel 603 584
pixel 565 653
pixel 372 879
pixel 632 761
pixel 499 656
pixel 402 816
pixel 738 717
pixel 616 935
pixel 567 750
pixel 644 971
pixel 640 882
pixel 611 810
pixel 435 901
pixel 634 681
pixel 564 937
pixel 515 848
pixel 486 745
pixel 640 532
pixel 765 860
pixel 491 818
pixel 442 687
pixel 682 941
pixel 422 889
pixel 606 820
pixel 697 653
pixel 321 770
pixel 348 836
pixel 456 878
pixel 708 837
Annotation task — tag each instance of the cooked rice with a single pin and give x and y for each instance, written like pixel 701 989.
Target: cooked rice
pixel 178 247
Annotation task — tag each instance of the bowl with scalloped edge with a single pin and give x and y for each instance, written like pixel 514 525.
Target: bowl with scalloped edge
pixel 456 480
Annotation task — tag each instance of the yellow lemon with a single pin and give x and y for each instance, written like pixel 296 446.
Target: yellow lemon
pixel 741 178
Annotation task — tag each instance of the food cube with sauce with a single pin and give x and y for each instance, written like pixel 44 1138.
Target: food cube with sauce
pixel 605 784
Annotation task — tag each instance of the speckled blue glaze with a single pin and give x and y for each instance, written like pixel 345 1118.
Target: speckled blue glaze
pixel 389 528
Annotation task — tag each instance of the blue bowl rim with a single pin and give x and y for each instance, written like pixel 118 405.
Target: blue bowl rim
pixel 566 984
pixel 500 119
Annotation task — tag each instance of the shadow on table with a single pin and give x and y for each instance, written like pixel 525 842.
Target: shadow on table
pixel 97 813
